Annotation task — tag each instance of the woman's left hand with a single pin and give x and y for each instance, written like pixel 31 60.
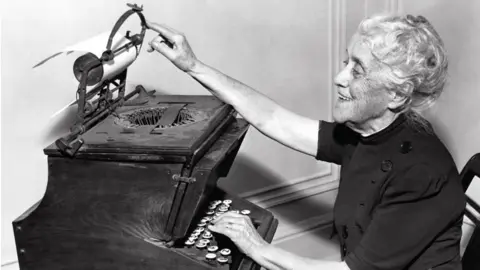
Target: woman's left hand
pixel 240 230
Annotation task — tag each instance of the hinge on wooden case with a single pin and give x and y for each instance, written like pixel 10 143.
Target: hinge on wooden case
pixel 179 178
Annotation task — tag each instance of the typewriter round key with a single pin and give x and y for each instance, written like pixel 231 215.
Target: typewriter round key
pixel 212 248
pixel 193 237
pixel 211 212
pixel 225 252
pixel 211 256
pixel 201 245
pixel 207 235
pixel 222 260
pixel 189 242
pixel 227 201
pixel 217 202
pixel 204 241
pixel 212 207
pixel 199 230
pixel 201 224
pixel 245 212
pixel 207 219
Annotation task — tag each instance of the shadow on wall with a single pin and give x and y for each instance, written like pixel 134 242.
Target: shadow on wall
pixel 246 175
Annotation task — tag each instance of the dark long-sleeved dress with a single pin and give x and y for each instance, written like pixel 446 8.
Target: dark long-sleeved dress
pixel 400 202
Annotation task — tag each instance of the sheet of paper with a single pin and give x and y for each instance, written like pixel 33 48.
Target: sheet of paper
pixel 97 45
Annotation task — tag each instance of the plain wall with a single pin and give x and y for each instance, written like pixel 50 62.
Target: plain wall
pixel 456 116
pixel 280 49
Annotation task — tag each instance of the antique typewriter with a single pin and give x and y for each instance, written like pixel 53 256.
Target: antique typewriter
pixel 133 184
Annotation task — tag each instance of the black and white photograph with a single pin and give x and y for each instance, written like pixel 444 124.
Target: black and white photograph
pixel 240 135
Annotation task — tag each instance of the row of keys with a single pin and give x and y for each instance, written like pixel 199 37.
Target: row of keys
pixel 200 230
pixel 203 239
pixel 214 211
pixel 212 256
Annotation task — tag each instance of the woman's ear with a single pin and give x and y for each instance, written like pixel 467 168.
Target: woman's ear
pixel 401 98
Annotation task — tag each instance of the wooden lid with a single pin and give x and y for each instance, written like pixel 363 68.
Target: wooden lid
pixel 169 127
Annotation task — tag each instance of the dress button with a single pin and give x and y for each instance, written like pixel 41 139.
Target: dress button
pixel 405 147
pixel 345 232
pixel 386 165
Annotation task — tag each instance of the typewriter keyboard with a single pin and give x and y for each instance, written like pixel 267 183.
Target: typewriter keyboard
pixel 210 247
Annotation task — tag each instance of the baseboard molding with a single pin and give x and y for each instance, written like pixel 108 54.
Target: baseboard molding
pixel 10 265
pixel 290 231
pixel 293 190
pixel 297 181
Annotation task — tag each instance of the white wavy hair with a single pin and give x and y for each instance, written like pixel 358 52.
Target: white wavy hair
pixel 415 56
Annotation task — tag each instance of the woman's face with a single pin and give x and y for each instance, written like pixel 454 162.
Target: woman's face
pixel 360 94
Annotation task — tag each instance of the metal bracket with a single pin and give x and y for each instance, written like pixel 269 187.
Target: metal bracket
pixel 179 178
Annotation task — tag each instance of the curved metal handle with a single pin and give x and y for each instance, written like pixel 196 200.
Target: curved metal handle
pixel 108 54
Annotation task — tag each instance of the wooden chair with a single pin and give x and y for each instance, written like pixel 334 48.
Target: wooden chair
pixel 471 256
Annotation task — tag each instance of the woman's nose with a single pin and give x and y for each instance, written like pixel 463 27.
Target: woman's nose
pixel 342 79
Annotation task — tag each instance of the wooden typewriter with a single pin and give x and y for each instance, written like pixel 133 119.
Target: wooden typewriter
pixel 133 185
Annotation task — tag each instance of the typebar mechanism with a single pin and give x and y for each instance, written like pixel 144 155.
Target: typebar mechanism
pixel 88 69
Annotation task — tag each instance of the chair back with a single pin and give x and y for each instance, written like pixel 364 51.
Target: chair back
pixel 471 255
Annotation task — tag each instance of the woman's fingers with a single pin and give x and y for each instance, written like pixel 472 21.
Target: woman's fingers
pixel 164 31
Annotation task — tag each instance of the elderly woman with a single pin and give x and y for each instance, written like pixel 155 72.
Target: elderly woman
pixel 400 202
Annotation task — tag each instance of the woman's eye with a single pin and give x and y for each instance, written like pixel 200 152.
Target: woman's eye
pixel 356 71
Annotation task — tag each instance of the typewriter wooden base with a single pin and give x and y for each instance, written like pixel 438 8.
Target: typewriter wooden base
pixel 110 214
pixel 110 250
